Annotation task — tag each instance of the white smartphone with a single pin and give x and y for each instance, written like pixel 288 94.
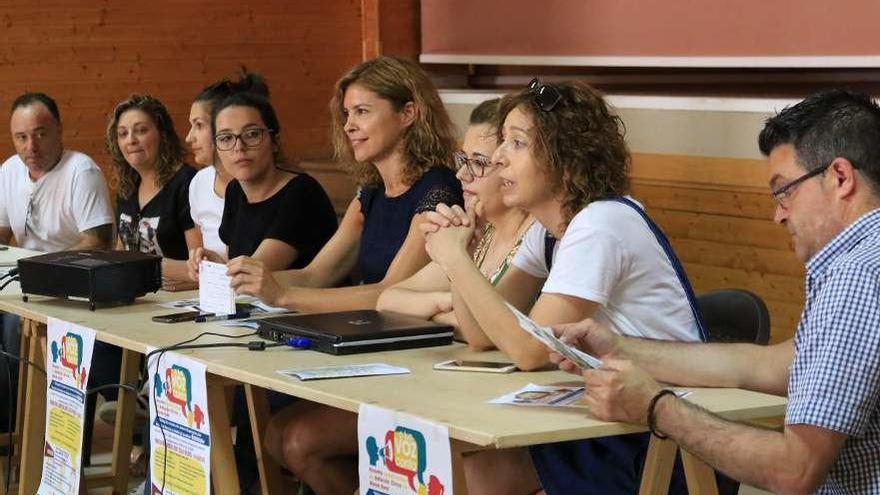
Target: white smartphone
pixel 484 366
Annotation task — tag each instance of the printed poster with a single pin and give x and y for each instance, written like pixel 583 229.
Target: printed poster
pixel 399 454
pixel 68 363
pixel 180 435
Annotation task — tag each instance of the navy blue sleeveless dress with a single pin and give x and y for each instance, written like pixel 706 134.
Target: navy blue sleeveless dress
pixel 387 220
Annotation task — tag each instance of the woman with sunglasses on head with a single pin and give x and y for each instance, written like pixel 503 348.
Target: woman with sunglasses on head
pixel 563 159
pixel 275 215
pixel 427 293
pixel 391 129
pixel 208 188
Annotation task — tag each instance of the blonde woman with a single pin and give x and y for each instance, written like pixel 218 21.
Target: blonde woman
pixel 501 229
pixel 391 130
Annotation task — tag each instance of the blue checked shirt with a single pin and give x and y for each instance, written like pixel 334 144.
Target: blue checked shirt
pixel 835 377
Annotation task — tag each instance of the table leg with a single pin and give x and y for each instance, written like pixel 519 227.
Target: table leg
pixel 34 425
pixel 26 343
pixel 13 439
pixel 699 475
pixel 658 467
pixel 459 449
pixel 258 410
pixel 123 431
pixel 224 473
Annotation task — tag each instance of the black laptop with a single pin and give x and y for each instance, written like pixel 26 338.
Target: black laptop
pixel 352 332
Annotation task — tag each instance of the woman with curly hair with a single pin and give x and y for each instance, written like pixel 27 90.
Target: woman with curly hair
pixel 152 184
pixel 593 254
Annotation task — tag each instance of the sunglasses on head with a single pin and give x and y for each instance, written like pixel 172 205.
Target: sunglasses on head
pixel 546 95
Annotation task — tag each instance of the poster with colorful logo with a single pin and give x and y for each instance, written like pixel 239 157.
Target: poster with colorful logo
pixel 180 435
pixel 400 454
pixel 69 360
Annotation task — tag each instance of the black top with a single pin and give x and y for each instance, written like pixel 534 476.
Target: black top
pixel 158 228
pixel 299 214
pixel 387 220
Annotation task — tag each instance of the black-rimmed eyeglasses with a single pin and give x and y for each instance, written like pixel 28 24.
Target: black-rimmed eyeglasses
pixel 546 95
pixel 782 194
pixel 478 166
pixel 250 138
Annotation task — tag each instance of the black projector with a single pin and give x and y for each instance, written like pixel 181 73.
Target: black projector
pixel 96 276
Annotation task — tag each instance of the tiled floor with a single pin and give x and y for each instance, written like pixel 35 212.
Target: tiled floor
pixel 103 444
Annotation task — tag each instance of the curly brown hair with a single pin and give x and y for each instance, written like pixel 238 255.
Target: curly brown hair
pixel 428 142
pixel 171 153
pixel 579 144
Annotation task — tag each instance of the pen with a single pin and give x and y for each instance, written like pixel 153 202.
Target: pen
pixel 233 316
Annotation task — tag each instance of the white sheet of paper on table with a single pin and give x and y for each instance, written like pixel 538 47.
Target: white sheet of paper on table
pixel 541 395
pixel 344 371
pixel 215 294
pixel 545 335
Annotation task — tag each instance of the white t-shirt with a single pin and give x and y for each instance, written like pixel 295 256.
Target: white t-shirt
pixel 49 214
pixel 609 255
pixel 206 209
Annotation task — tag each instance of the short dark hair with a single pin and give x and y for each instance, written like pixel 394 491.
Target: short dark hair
pixel 486 112
pixel 828 125
pixel 29 99
pixel 248 82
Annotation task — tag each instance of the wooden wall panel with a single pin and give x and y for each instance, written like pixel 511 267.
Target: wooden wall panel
pixel 91 54
pixel 718 215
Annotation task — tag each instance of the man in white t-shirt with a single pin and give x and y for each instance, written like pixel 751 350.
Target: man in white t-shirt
pixel 50 199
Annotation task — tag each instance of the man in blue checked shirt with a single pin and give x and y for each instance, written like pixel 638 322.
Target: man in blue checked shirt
pixel 824 161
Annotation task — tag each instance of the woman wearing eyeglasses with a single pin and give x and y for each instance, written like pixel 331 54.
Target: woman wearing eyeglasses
pixel 391 130
pixel 427 293
pixel 564 160
pixel 275 215
pixel 152 184
pixel 208 188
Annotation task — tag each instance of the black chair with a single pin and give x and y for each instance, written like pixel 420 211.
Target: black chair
pixel 735 315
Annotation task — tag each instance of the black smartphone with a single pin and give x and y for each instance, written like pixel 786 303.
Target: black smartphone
pixel 179 317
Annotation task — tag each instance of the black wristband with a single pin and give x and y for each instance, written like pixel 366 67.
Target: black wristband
pixel 652 421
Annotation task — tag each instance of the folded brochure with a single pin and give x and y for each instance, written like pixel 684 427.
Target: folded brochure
pixel 545 335
pixel 343 371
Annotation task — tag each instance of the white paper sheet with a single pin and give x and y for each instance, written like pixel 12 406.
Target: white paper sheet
pixel 215 294
pixel 343 371
pixel 545 335
pixel 541 395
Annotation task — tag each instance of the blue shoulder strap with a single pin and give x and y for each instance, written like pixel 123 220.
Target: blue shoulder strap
pixel 549 244
pixel 670 253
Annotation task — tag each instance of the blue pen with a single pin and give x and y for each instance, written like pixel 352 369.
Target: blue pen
pixel 233 316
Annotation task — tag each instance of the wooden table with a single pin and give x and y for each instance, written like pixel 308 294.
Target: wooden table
pixel 455 399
